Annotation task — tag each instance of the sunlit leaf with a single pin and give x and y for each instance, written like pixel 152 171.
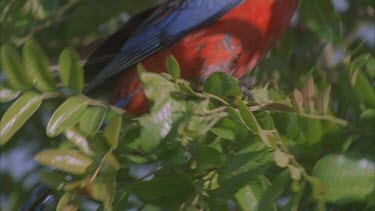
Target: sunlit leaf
pixel 68 114
pixel 14 70
pixel 346 177
pixel 71 72
pixel 91 120
pixel 248 197
pixel 66 160
pixel 36 63
pixel 18 113
pixel 7 94
pixel 112 131
pixel 173 67
pixel 79 140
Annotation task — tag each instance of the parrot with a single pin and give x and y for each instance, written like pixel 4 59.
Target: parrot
pixel 204 36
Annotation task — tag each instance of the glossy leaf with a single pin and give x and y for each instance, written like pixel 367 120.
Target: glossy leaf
pixel 7 94
pixel 14 70
pixel 18 113
pixel 346 177
pixel 67 115
pixel 66 160
pixel 104 187
pixel 222 85
pixel 173 67
pixel 71 72
pixel 112 131
pixel 79 140
pixel 91 120
pixel 36 63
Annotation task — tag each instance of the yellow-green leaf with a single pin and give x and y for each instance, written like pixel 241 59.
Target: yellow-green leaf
pixel 67 160
pixel 91 120
pixel 79 140
pixel 36 63
pixel 173 67
pixel 68 114
pixel 71 72
pixel 14 69
pixel 112 131
pixel 18 113
pixel 7 94
pixel 247 117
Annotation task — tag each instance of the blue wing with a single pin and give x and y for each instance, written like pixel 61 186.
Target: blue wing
pixel 169 22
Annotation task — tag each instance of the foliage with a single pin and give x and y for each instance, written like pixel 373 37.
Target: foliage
pixel 302 143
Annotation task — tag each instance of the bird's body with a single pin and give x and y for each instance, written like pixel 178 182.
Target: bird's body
pixel 233 42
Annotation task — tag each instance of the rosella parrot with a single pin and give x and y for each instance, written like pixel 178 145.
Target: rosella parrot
pixel 203 35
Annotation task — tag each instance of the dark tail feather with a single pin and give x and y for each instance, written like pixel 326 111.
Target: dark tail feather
pixel 38 199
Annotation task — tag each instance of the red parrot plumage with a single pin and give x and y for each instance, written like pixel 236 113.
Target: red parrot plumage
pixel 233 38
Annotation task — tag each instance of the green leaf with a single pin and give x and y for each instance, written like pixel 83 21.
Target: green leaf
pixel 7 94
pixel 66 160
pixel 37 66
pixel 104 187
pixel 365 90
pixel 67 115
pixel 173 67
pixel 18 113
pixel 245 165
pixel 168 191
pixel 321 17
pixel 346 177
pixel 159 123
pixel 208 158
pixel 91 120
pixel 279 184
pixel 156 87
pixel 65 203
pixel 247 117
pixel 222 85
pixel 323 100
pixel 53 179
pixel 71 72
pixel 223 133
pixel 14 69
pixel 249 196
pixel 112 131
pixel 79 140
